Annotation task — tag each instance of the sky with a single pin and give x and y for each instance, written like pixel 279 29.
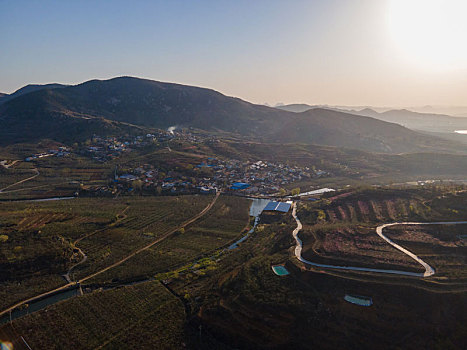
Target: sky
pixel 337 52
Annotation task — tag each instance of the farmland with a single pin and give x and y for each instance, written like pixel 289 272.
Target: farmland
pixel 50 177
pixel 40 239
pixel 442 246
pixel 243 304
pixel 188 288
pixel 145 221
pixel 144 315
pixel 342 230
pixel 223 224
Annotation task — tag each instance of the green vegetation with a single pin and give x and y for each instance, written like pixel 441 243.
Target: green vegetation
pixel 223 224
pixel 233 294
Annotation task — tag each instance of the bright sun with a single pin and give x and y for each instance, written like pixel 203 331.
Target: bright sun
pixel 430 33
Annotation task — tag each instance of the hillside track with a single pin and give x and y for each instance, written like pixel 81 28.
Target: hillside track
pixel 37 173
pixel 429 271
pixel 77 283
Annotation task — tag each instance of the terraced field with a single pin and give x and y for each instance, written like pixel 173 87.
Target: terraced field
pixel 341 230
pixel 354 246
pixel 441 246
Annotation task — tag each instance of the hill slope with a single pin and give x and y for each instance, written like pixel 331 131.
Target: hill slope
pixel 119 104
pixel 419 121
pixel 26 90
pixel 429 122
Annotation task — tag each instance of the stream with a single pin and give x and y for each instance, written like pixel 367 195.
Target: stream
pixel 40 304
pixel 39 199
pixel 255 210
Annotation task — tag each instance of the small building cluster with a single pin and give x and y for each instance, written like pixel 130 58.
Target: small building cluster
pixel 58 152
pixel 211 174
pixel 103 149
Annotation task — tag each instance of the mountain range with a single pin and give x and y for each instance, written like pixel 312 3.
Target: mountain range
pixel 430 122
pixel 127 104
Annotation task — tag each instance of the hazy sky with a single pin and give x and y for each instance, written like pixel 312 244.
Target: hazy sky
pixel 364 52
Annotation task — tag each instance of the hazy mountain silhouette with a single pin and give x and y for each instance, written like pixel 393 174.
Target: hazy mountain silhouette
pixel 122 104
pixel 28 89
pixel 429 122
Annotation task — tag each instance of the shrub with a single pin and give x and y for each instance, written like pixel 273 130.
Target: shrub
pixel 296 191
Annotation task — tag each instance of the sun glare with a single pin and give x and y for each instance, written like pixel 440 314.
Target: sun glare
pixel 430 33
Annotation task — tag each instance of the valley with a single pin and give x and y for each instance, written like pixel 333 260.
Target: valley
pixel 238 175
pixel 161 235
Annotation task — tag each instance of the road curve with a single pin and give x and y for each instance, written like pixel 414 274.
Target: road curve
pixel 429 271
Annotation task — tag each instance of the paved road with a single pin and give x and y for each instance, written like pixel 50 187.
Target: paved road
pixel 429 271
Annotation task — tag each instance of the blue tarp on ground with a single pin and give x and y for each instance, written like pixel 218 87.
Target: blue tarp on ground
pixel 358 300
pixel 277 206
pixel 239 186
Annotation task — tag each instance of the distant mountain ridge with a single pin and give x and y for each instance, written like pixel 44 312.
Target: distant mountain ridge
pixel 28 89
pixel 123 104
pixel 429 122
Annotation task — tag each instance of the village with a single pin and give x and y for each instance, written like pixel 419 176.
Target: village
pixel 213 174
pixel 103 149
pixel 61 151
pixel 205 176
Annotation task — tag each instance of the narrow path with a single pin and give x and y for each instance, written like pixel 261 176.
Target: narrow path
pixel 72 284
pixel 429 271
pixel 21 181
pixel 120 216
pixel 85 257
pixel 202 213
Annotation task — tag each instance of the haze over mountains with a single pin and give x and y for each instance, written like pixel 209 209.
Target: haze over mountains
pixel 429 122
pixel 120 105
pixel 452 111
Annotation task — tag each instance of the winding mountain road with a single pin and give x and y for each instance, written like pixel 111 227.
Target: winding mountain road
pixel 429 271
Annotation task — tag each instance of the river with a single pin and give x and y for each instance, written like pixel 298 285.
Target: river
pixel 256 208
